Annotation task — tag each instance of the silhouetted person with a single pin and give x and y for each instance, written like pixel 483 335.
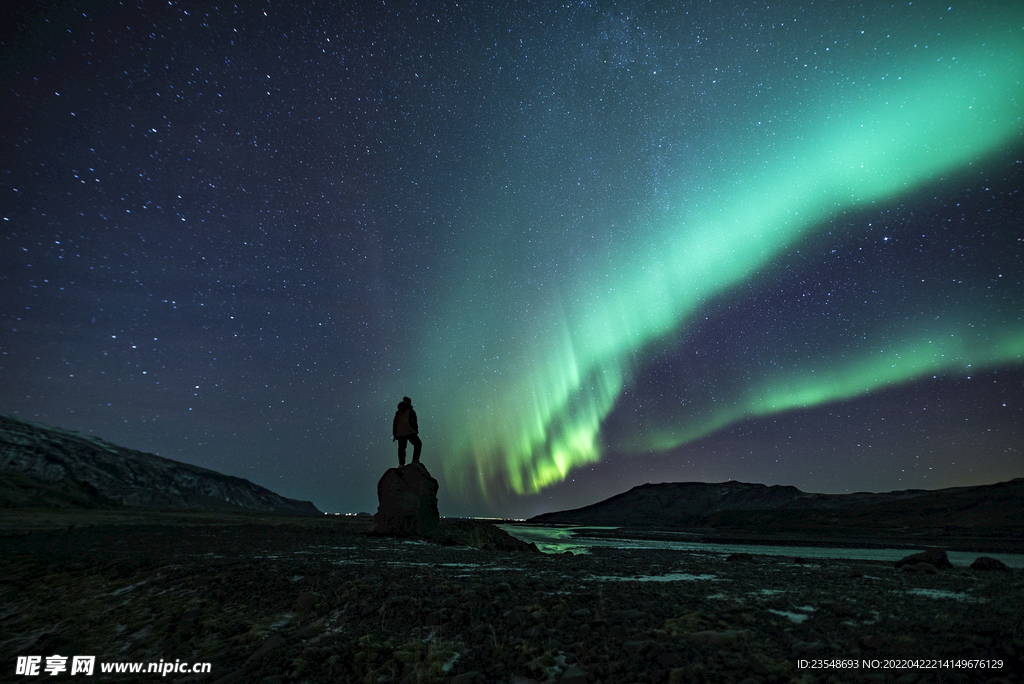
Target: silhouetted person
pixel 405 430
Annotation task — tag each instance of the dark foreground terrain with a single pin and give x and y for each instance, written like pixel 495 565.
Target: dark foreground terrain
pixel 282 599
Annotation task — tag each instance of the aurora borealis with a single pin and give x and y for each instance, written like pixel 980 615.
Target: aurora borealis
pixel 598 244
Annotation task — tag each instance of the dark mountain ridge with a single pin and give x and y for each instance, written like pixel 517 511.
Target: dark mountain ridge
pixel 995 510
pixel 50 467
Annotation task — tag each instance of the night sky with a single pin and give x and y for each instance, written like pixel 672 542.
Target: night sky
pixel 598 244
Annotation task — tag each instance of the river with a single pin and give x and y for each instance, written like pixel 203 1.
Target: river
pixel 577 539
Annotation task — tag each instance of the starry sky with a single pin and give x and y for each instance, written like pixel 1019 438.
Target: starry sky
pixel 598 244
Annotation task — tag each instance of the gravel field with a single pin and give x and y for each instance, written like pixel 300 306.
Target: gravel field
pixel 318 600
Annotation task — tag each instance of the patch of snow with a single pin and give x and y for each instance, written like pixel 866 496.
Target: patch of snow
pixel 557 668
pixel 941 593
pixel 128 588
pixel 450 662
pixel 282 620
pixel 795 617
pixel 671 577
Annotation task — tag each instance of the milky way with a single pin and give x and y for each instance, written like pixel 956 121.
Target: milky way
pixel 597 244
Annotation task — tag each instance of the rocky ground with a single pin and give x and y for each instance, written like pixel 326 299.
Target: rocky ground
pixel 268 600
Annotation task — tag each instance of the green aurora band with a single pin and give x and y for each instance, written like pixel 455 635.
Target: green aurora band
pixel 554 370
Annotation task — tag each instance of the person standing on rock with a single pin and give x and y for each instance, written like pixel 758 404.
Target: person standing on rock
pixel 405 430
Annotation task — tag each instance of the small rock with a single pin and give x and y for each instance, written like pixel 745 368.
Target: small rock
pixel 937 559
pixel 633 648
pixel 574 674
pixel 310 630
pixel 758 667
pixel 841 610
pixel 274 642
pixel 627 615
pixel 740 557
pixel 716 638
pixel 670 660
pixel 654 650
pixel 873 641
pixel 989 563
pixel 926 568
pixel 734 661
pixel 187 624
pixel 304 603
pixel 808 648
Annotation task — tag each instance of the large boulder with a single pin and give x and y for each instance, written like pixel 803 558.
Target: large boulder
pixel 408 502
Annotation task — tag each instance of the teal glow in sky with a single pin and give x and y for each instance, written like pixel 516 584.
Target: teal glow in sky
pixel 533 383
pixel 598 244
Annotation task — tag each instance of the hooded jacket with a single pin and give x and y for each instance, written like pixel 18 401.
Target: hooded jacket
pixel 405 421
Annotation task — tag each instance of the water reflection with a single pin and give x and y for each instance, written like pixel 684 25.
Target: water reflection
pixel 580 539
pixel 555 539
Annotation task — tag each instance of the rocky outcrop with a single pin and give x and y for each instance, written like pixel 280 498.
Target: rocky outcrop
pixel 408 508
pixel 936 559
pixel 408 502
pixel 985 563
pixel 479 534
pixel 51 467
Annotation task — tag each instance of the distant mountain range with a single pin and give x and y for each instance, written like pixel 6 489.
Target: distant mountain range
pixel 50 467
pixel 995 510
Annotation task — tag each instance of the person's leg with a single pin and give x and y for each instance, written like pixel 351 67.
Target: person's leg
pixel 401 451
pixel 417 445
